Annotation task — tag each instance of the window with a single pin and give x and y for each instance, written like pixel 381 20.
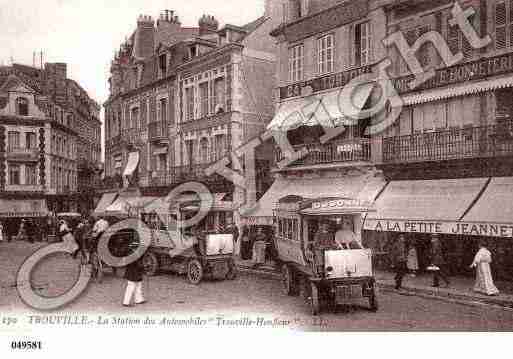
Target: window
pixel 134 116
pixel 189 102
pixel 163 65
pixel 362 44
pixel 14 140
pixel 14 174
pixel 30 175
pixel 162 162
pixel 296 59
pixel 220 146
pixel 204 150
pixel 218 95
pixel 203 89
pixel 325 54
pixel 22 106
pixel 30 140
pixel 163 110
pixel 503 20
pixel 457 41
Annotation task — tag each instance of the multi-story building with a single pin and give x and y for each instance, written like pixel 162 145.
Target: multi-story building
pixel 39 140
pixel 444 166
pixel 183 98
pixel 448 157
pixel 323 45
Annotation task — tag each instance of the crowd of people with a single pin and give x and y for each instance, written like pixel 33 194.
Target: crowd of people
pixel 406 261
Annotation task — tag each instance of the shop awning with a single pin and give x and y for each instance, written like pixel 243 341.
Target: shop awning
pixel 105 201
pixel 361 187
pixel 132 163
pixel 423 206
pixel 495 204
pixel 459 90
pixel 23 208
pixel 329 108
pixel 126 204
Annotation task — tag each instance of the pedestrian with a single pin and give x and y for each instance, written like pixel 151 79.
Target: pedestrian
pixel 134 276
pixel 412 261
pixel 81 233
pixel 1 232
pixel 484 281
pixel 67 236
pixel 22 231
pixel 400 261
pixel 438 262
pixel 245 244
pixel 259 247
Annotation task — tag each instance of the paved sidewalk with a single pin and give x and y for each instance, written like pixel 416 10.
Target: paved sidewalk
pixel 460 289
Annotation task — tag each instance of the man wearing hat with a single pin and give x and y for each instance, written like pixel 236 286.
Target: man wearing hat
pixel 324 239
pixel 438 261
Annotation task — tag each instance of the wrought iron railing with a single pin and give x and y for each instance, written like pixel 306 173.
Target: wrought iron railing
pixel 457 143
pixel 158 130
pixel 353 150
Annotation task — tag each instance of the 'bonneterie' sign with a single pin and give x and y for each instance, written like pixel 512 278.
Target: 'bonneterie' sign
pixel 440 227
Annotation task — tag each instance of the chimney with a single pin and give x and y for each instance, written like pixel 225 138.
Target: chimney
pixel 207 25
pixel 145 37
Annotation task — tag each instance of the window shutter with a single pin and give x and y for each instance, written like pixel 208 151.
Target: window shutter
pixel 453 38
pixel 370 43
pixel 511 23
pixel 424 57
pixel 352 49
pixel 500 25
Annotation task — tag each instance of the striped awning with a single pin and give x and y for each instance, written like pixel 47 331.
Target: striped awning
pixel 464 89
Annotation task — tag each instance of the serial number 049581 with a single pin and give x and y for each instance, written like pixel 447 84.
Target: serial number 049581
pixel 26 345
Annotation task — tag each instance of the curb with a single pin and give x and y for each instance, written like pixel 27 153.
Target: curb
pixel 416 291
pixel 445 295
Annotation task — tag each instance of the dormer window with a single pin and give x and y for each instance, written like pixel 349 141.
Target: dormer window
pixel 22 106
pixel 192 51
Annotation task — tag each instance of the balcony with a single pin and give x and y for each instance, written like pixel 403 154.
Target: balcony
pixel 334 152
pixel 177 175
pixel 158 131
pixel 22 154
pixel 127 137
pixel 458 143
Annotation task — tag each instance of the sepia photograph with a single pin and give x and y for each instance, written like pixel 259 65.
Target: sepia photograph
pixel 297 167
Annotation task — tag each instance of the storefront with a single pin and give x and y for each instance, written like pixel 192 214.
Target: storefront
pixel 460 211
pixel 12 211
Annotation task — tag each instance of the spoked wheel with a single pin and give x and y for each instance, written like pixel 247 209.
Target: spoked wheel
pixel 232 271
pixel 373 300
pixel 289 280
pixel 315 305
pixel 194 271
pixel 150 263
pixel 96 268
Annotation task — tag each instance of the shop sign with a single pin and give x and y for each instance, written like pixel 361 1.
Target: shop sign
pixel 470 71
pixel 440 227
pixel 340 203
pixel 21 214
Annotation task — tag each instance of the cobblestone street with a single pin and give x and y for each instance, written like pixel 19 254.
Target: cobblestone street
pixel 247 296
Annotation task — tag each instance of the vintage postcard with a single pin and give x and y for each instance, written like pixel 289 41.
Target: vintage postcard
pixel 257 166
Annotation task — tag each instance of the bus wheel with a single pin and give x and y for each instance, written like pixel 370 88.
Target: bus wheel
pixel 373 300
pixel 194 271
pixel 289 280
pixel 150 263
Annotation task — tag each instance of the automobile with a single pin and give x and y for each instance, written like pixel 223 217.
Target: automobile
pixel 195 252
pixel 327 277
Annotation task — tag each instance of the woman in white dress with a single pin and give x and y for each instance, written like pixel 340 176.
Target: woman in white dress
pixel 484 281
pixel 1 232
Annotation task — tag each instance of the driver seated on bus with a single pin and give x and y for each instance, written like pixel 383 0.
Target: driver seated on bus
pixel 345 238
pixel 323 240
